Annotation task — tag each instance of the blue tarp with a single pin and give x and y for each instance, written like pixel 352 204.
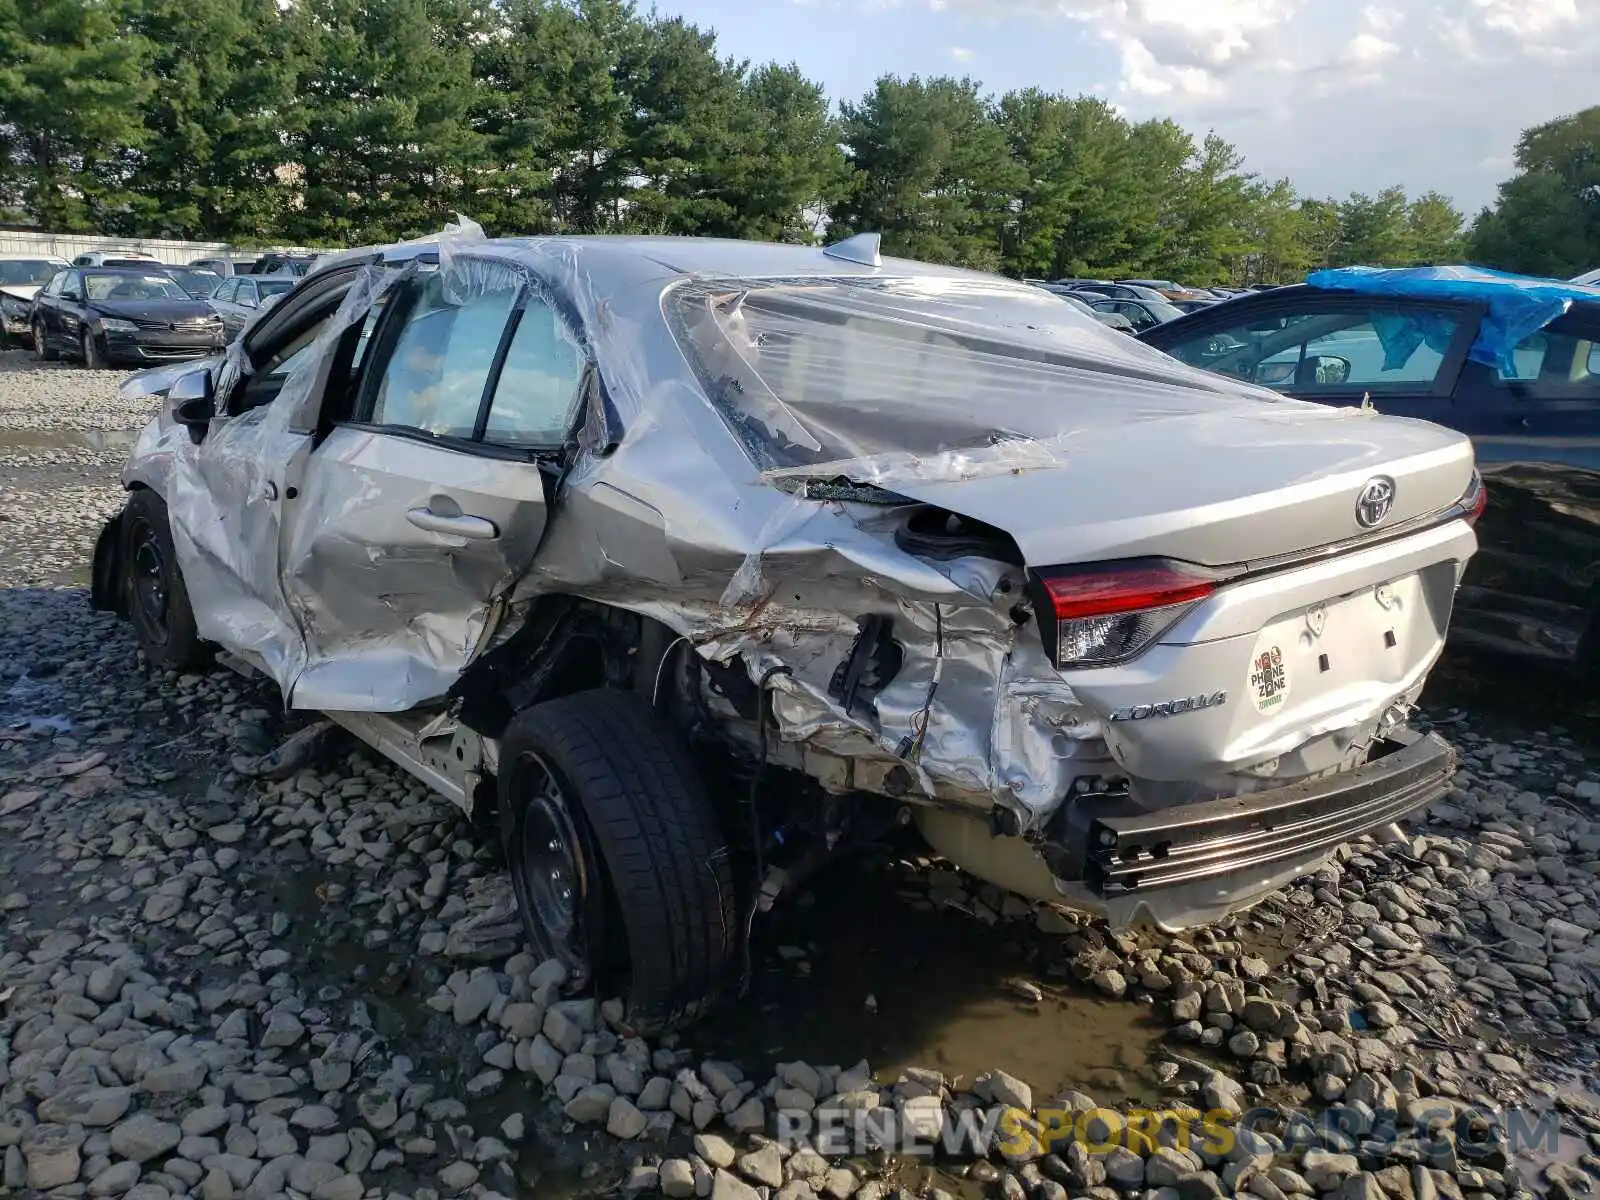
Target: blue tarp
pixel 1519 305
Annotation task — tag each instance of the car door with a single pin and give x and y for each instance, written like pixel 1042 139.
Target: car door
pixel 42 313
pixel 1534 587
pixel 1402 355
pixel 222 301
pixel 67 313
pixel 245 303
pixel 425 503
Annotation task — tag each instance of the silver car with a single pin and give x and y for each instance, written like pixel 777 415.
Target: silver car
pixel 692 565
pixel 239 299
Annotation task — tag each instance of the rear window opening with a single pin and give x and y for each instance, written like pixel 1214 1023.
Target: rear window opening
pixel 829 372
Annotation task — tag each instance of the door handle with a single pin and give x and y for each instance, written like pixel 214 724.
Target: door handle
pixel 479 529
pixel 1517 422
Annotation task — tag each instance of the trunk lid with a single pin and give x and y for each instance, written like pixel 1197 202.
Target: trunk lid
pixel 1214 488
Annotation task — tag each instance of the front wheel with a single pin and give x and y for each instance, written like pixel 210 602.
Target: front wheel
pixel 41 344
pixel 93 356
pixel 619 866
pixel 157 601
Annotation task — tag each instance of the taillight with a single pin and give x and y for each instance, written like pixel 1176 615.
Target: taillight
pixel 1475 500
pixel 1105 614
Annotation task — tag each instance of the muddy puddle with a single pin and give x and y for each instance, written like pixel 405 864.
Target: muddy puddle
pixel 884 979
pixel 96 441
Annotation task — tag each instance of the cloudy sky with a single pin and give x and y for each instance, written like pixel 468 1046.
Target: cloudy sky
pixel 1339 95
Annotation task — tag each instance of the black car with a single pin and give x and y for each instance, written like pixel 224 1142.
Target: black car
pixel 1143 314
pixel 106 315
pixel 1533 589
pixel 277 263
pixel 197 281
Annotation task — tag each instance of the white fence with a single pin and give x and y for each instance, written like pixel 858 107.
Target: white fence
pixel 70 245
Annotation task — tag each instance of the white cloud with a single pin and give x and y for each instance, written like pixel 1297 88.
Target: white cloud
pixel 1342 96
pixel 1337 95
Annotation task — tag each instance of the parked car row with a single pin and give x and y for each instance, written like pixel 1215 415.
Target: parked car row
pixel 123 308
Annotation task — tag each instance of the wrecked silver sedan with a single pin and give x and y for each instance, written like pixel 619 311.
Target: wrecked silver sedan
pixel 692 564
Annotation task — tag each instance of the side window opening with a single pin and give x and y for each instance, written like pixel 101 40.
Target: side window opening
pixel 1357 347
pixel 537 391
pixel 1560 360
pixel 435 375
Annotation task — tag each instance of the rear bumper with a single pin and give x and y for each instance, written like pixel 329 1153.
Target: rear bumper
pixel 1131 855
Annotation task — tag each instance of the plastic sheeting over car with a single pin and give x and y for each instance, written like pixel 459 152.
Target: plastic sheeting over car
pixel 1518 305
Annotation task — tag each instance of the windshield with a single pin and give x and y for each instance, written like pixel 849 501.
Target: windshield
pixel 1162 311
pixel 22 272
pixel 817 375
pixel 197 281
pixel 128 285
pixel 274 287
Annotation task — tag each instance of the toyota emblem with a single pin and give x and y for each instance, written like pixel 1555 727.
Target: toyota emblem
pixel 1375 501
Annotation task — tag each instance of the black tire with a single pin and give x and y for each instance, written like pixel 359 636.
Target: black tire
pixel 157 602
pixel 41 346
pixel 655 905
pixel 93 357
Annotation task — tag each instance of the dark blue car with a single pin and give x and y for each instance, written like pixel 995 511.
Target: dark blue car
pixel 1412 345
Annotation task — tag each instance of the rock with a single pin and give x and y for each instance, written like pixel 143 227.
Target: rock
pixel 1124 1168
pixel 1199 1185
pixel 458 1176
pixel 1009 1090
pixel 624 1120
pixel 378 1108
pixel 565 1034
pixel 1111 982
pixel 1166 1166
pixel 200 1121
pixel 283 1029
pixel 1324 1170
pixel 655 1094
pixel 175 1080
pixel 51 1155
pixel 765 1166
pixel 716 1150
pixel 676 1179
pixel 314 1117
pixel 115 1179
pixel 730 1187
pixel 802 1076
pixel 89 1107
pixel 142 1137
pixel 591 1104
pixel 105 984
pixel 345 1187
pixel 541 1058
pixel 474 999
pixel 749 1117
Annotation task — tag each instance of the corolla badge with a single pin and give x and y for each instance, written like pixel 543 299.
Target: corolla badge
pixel 1169 708
pixel 1375 501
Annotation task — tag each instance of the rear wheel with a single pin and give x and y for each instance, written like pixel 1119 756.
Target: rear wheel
pixel 619 866
pixel 41 345
pixel 158 603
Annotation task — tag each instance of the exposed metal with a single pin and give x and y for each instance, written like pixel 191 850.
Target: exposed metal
pixel 719 484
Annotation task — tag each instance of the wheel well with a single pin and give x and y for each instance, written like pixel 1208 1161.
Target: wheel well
pixel 563 646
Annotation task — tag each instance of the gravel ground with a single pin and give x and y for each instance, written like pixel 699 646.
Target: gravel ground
pixel 218 983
